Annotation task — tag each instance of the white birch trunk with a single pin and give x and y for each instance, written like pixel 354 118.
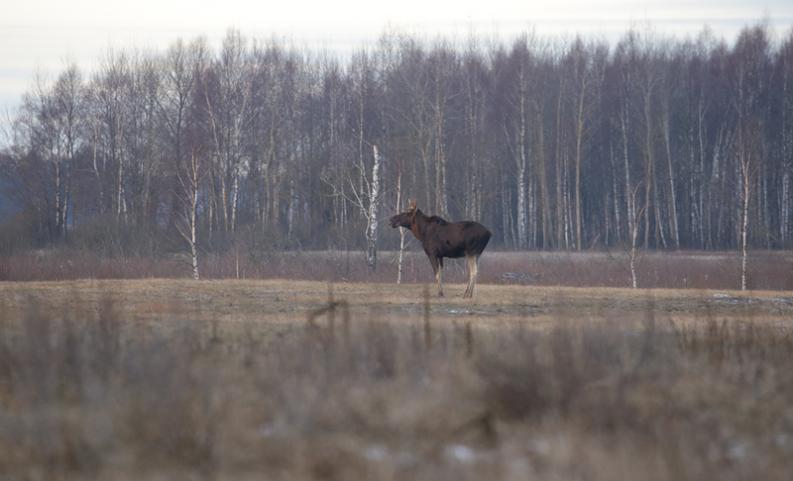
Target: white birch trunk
pixel 672 194
pixel 441 199
pixel 235 192
pixel 566 207
pixel 631 206
pixel 532 225
pixel 193 237
pixel 121 207
pixel 579 138
pixel 746 191
pixel 57 195
pixel 521 161
pixel 187 228
pixel 615 196
pixel 373 219
pixel 97 174
pixel 786 201
pixel 402 231
pixel 506 216
pixel 634 234
pixel 522 209
pixel 291 208
pixel 400 262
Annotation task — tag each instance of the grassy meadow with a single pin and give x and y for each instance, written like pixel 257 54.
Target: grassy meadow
pixel 767 270
pixel 297 380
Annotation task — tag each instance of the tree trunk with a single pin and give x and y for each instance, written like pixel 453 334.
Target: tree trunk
pixel 521 169
pixel 579 134
pixel 615 195
pixel 545 201
pixel 193 237
pixel 402 231
pixel 560 211
pixel 373 219
pixel 441 199
pixel 629 199
pixel 745 196
pixel 190 180
pixel 521 191
pixel 649 175
pixel 672 194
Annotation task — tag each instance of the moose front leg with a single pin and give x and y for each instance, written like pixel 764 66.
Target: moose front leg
pixel 437 268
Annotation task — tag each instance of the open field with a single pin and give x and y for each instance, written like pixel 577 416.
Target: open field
pixel 295 380
pixel 767 270
pixel 280 302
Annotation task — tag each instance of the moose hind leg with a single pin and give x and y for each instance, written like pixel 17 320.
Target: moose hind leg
pixel 437 268
pixel 439 276
pixel 469 290
pixel 474 275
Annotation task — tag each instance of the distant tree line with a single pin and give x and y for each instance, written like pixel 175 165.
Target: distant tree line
pixel 552 144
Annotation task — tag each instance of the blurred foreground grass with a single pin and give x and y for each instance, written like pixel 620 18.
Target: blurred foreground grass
pixel 101 383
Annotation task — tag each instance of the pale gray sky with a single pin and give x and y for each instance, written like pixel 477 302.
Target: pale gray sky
pixel 43 34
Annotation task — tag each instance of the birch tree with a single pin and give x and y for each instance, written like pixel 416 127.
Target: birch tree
pixel 190 175
pixel 68 111
pixel 634 235
pixel 227 93
pixel 543 141
pixel 581 82
pixel 372 217
pixel 745 160
pixel 367 197
pixel 110 88
pixel 402 232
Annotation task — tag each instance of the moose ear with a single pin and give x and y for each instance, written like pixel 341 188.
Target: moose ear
pixel 412 205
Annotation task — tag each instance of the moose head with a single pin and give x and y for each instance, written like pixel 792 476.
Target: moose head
pixel 405 219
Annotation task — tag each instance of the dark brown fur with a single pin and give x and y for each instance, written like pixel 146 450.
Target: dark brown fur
pixel 441 238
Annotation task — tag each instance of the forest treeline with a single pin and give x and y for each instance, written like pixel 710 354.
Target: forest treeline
pixel 578 144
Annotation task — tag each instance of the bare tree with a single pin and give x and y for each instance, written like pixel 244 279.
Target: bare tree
pixel 372 217
pixel 634 234
pixel 111 89
pixel 68 104
pixel 227 92
pixel 190 175
pixel 582 84
pixel 367 198
pixel 402 232
pixel 746 191
pixel 547 140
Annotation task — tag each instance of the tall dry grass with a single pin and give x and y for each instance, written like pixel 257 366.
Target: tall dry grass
pixel 90 395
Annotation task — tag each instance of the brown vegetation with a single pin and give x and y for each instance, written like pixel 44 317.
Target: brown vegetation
pixel 768 270
pixel 92 387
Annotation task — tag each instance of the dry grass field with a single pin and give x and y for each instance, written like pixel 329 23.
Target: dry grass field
pixel 294 380
pixel 767 270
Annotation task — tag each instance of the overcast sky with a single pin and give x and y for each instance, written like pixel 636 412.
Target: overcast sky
pixel 43 34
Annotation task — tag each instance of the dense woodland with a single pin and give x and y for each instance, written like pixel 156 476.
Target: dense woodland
pixel 575 144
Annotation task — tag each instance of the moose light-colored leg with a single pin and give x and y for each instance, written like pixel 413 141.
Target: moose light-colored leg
pixel 437 268
pixel 439 277
pixel 469 290
pixel 474 275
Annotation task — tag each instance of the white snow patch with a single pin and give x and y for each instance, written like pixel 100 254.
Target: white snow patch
pixel 376 452
pixel 460 453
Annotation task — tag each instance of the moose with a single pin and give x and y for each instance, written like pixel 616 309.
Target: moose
pixel 440 239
